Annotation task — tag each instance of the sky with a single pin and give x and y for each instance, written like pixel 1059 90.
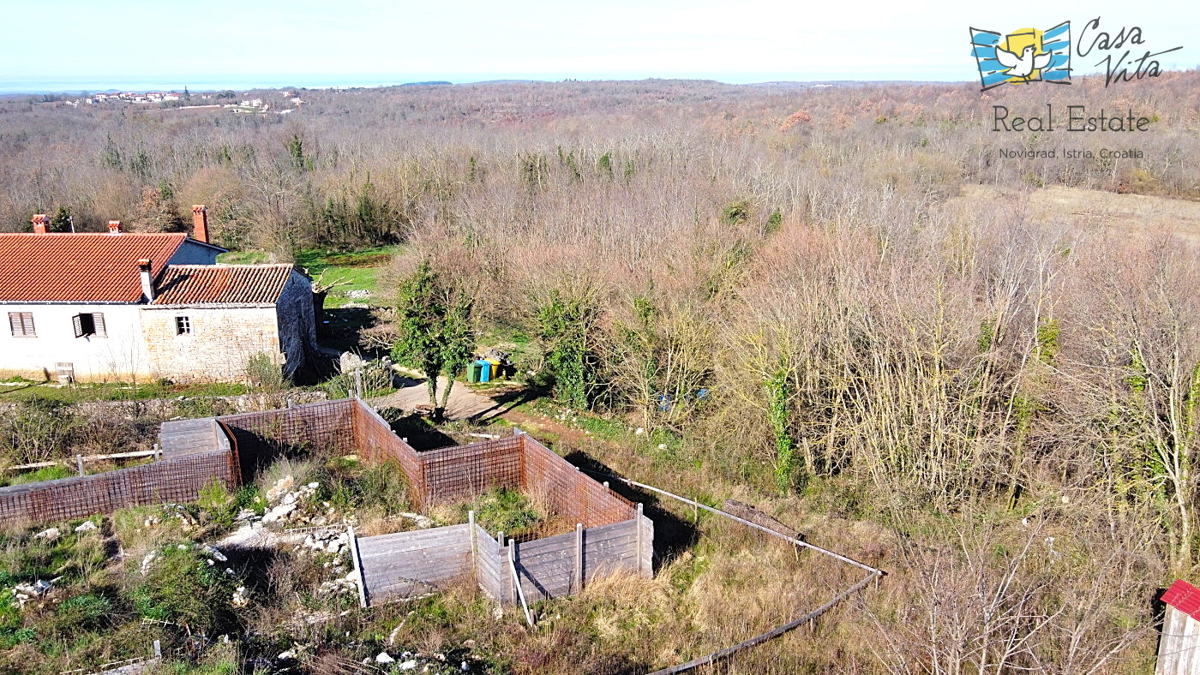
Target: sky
pixel 56 44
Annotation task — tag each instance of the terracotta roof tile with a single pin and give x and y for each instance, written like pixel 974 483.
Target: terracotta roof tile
pixel 222 284
pixel 83 267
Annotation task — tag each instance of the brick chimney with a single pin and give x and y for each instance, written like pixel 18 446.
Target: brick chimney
pixel 200 223
pixel 114 227
pixel 147 283
pixel 40 222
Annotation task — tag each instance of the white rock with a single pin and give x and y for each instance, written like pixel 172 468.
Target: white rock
pixel 278 513
pixel 281 486
pixel 289 498
pixel 383 658
pixel 313 486
pixel 214 554
pixel 147 561
pixel 408 665
pixel 286 656
pixel 87 526
pixel 49 534
pixel 639 431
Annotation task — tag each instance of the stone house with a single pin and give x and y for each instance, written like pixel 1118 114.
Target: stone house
pixel 128 306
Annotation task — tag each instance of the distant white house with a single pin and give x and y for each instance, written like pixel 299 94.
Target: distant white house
pixel 122 306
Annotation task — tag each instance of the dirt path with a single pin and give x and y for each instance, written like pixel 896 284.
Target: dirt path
pixel 463 403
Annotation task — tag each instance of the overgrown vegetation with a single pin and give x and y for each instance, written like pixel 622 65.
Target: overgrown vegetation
pixel 834 302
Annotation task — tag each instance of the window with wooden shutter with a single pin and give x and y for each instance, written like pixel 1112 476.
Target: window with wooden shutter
pixel 88 325
pixel 21 324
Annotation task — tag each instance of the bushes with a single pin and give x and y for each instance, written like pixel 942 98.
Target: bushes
pixel 265 374
pixel 38 430
pixel 180 586
pixel 505 510
pixel 568 328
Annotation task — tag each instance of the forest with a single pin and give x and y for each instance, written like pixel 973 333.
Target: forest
pixel 981 374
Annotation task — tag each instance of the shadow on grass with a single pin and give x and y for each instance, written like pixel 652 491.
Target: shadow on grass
pixel 509 400
pixel 417 431
pixel 672 534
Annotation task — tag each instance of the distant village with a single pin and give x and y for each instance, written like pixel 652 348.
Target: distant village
pixel 174 99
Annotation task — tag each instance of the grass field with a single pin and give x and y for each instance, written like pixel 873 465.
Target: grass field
pixel 114 391
pixel 354 273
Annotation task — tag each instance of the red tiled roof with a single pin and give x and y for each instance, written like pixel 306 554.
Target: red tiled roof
pixel 222 284
pixel 1183 597
pixel 83 267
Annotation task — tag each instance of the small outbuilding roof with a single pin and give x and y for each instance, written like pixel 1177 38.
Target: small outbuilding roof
pixel 222 284
pixel 1183 597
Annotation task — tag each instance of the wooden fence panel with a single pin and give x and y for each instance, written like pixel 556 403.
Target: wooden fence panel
pixel 395 566
pixel 490 572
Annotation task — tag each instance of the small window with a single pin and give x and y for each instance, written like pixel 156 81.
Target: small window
pixel 89 325
pixel 183 325
pixel 21 324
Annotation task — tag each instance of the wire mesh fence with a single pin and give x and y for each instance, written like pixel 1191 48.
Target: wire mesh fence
pixel 242 444
pixel 170 480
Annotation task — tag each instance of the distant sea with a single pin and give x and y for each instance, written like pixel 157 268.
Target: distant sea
pixel 74 85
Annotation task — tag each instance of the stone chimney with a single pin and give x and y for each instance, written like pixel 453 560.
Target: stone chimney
pixel 147 283
pixel 200 223
pixel 40 223
pixel 114 227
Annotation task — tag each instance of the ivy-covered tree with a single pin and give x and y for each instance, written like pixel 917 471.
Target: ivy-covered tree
pixel 568 331
pixel 435 330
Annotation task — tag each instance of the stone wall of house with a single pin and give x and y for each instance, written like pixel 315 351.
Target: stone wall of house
pixel 297 323
pixel 221 341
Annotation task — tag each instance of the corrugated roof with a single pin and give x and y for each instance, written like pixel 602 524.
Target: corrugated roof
pixel 1183 597
pixel 222 284
pixel 84 267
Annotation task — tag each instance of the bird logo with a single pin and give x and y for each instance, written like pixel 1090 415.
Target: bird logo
pixel 1025 65
pixel 1023 56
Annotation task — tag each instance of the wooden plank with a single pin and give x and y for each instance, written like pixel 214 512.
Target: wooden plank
pixel 428 566
pixel 577 576
pixel 401 542
pixel 394 548
pixel 357 566
pixel 512 548
pixel 646 566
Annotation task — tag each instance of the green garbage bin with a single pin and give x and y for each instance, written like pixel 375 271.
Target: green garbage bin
pixel 473 372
